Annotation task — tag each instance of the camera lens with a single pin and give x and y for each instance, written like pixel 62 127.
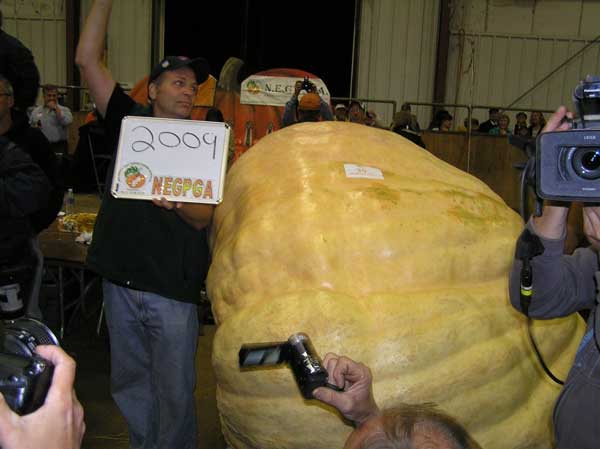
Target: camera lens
pixel 586 162
pixel 23 335
pixel 591 160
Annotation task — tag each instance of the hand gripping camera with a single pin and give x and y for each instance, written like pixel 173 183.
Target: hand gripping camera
pixel 568 162
pixel 298 352
pixel 307 85
pixel 24 376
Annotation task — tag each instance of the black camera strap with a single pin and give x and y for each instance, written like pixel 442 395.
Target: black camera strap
pixel 529 246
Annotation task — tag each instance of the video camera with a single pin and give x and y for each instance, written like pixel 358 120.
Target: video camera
pixel 568 162
pixel 307 85
pixel 298 352
pixel 25 377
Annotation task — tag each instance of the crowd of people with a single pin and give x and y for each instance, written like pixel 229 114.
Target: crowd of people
pixel 497 124
pixel 310 107
pixel 150 301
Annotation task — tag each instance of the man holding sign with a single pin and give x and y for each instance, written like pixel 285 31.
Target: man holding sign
pixel 153 258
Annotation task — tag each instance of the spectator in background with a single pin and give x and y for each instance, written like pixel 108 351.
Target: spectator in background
pixel 310 107
pixel 341 113
pixel 502 129
pixel 491 122
pixel 23 191
pixel 521 128
pixel 446 124
pixel 17 66
pixel 465 126
pixel 371 119
pixel 53 119
pixel 401 125
pixel 536 123
pixel 15 127
pixel 414 124
pixel 356 112
pixel 442 121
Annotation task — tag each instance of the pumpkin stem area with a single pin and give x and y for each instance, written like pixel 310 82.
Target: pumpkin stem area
pixel 228 78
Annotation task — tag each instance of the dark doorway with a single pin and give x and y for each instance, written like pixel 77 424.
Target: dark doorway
pixel 267 34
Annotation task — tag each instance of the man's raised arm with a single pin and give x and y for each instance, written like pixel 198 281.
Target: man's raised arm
pixel 89 55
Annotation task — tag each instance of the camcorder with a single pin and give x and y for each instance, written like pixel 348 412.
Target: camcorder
pixel 25 377
pixel 568 162
pixel 307 85
pixel 298 353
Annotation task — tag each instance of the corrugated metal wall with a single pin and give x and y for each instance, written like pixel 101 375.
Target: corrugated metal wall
pixel 40 25
pixel 397 47
pixel 501 48
pixel 129 39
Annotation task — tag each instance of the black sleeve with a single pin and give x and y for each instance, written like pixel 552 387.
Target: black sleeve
pixel 23 186
pixel 26 75
pixel 119 105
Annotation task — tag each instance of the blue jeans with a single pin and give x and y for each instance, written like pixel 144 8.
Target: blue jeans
pixel 153 343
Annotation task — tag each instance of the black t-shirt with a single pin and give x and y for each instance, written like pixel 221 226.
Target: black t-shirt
pixel 142 246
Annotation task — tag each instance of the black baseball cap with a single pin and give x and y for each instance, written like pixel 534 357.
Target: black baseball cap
pixel 198 65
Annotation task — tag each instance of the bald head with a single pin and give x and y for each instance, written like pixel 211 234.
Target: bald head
pixel 411 427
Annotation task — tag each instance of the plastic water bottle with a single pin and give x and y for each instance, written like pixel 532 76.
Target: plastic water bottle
pixel 70 202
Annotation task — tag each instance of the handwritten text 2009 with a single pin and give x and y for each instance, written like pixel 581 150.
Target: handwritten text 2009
pixel 169 139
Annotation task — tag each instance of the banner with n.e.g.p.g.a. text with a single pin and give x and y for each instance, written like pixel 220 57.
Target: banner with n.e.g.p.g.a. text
pixel 275 90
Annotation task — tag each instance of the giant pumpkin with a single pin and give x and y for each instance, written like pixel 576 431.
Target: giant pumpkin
pixel 407 274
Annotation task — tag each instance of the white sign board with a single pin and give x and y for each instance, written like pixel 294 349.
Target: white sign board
pixel 275 90
pixel 362 171
pixel 180 160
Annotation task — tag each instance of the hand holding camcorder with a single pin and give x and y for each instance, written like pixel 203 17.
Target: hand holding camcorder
pixel 59 422
pixel 307 85
pixel 304 85
pixel 567 163
pixel 298 352
pixel 25 377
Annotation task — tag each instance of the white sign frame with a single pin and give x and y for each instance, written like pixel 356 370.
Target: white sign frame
pixel 145 168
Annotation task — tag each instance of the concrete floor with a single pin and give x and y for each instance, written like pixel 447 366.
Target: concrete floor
pixel 106 428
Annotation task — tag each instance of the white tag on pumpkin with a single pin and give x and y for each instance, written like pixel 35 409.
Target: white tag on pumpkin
pixel 362 171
